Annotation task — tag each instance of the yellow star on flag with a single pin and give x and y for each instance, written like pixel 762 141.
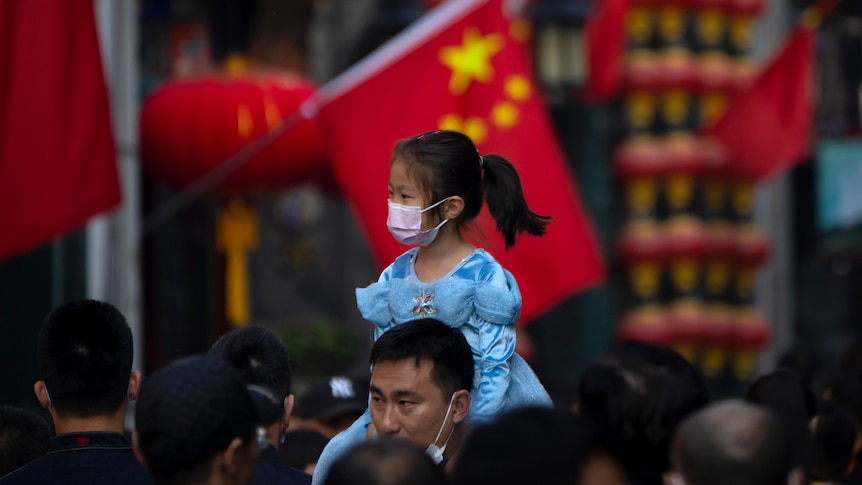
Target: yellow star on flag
pixel 471 60
pixel 517 87
pixel 474 127
pixel 505 114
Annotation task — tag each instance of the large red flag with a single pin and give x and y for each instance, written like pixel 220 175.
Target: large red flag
pixel 604 40
pixel 767 128
pixel 463 66
pixel 57 156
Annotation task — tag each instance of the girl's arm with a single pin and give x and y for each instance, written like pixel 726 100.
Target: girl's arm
pixel 497 343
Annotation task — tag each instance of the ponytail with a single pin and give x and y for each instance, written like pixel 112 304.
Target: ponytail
pixel 506 202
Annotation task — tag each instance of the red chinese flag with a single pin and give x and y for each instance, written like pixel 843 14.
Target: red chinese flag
pixel 767 128
pixel 57 156
pixel 463 66
pixel 604 40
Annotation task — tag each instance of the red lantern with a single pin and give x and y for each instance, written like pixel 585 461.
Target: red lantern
pixel 189 126
pixel 646 324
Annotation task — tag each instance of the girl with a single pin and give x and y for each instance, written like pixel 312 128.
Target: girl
pixel 438 182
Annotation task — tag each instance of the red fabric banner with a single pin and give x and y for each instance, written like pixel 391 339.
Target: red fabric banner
pixel 604 42
pixel 463 66
pixel 57 155
pixel 767 128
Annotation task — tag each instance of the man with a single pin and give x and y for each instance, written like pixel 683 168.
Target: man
pixel 420 391
pixel 731 442
pixel 638 394
pixel 262 361
pixel 420 386
pixel 195 423
pixel 85 363
pixel 24 436
pixel 331 404
pixel 554 446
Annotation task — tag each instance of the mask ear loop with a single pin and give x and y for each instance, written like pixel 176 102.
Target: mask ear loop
pixel 448 409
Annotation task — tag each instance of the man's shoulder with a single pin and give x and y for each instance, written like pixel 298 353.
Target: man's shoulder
pixel 279 474
pixel 91 466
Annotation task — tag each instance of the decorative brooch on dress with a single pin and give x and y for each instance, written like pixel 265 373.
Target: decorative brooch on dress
pixel 423 304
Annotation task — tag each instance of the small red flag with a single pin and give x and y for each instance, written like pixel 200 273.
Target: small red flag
pixel 604 39
pixel 57 155
pixel 463 66
pixel 767 128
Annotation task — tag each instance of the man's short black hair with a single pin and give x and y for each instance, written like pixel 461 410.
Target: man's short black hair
pixel 384 460
pixel 187 412
pixel 640 393
pixel 529 445
pixel 733 442
pixel 258 355
pixel 24 436
pixel 430 339
pixel 85 358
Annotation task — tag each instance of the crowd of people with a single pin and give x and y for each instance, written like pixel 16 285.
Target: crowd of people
pixel 447 401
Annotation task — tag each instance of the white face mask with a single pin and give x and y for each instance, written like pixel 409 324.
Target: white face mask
pixel 405 224
pixel 433 451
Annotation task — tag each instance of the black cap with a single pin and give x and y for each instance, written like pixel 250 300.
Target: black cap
pixel 189 410
pixel 328 398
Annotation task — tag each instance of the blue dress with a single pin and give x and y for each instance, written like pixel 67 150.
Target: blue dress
pixel 480 298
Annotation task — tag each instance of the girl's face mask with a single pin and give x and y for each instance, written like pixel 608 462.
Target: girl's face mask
pixel 405 224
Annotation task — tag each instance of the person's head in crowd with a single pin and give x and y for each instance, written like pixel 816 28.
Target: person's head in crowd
pixel 785 394
pixel 420 385
pixel 385 461
pixel 730 442
pixel 637 394
pixel 195 422
pixel 833 433
pixel 331 404
pixel 85 356
pixel 300 449
pixel 845 390
pixel 262 360
pixel 536 445
pixel 24 436
pixel 807 363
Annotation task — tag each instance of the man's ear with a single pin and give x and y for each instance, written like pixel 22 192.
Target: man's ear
pixel 288 411
pixel 134 384
pixel 236 457
pixel 137 449
pixel 453 207
pixel 42 394
pixel 460 405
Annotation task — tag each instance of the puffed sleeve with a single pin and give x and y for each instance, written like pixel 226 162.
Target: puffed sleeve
pixel 498 307
pixel 373 301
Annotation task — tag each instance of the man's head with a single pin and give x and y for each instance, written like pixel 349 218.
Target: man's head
pixel 261 360
pixel 24 436
pixel 730 442
pixel 420 383
pixel 639 393
pixel 539 445
pixel 85 361
pixel 195 419
pixel 331 404
pixel 384 461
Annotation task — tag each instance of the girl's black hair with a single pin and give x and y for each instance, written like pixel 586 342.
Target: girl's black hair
pixel 447 163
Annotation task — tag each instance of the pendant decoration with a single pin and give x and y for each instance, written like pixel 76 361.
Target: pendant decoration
pixel 423 304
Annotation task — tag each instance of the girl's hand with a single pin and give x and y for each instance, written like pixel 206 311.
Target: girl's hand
pixel 370 432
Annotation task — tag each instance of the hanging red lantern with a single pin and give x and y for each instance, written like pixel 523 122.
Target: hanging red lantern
pixel 189 126
pixel 647 324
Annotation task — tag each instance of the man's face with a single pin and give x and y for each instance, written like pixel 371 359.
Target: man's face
pixel 406 404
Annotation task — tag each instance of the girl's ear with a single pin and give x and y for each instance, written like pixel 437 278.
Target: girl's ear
pixel 453 207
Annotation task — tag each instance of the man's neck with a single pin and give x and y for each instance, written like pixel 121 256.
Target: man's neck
pixel 72 424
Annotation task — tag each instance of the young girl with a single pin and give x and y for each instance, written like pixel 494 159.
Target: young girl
pixel 438 183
